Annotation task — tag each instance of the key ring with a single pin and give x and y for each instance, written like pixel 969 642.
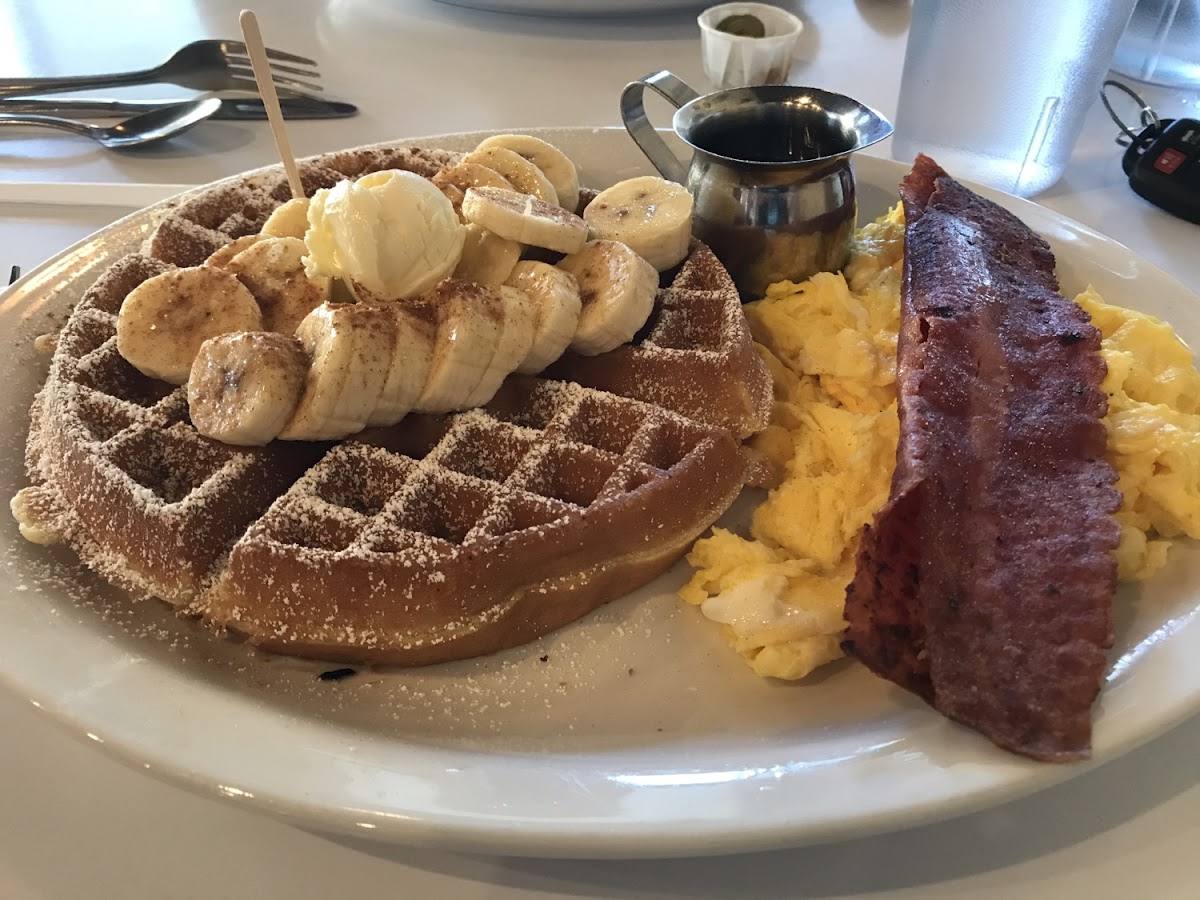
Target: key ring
pixel 1148 116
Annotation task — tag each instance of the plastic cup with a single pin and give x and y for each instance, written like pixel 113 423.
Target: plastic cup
pixel 1162 44
pixel 732 61
pixel 998 92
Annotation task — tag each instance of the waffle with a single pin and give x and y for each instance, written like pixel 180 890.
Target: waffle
pixel 440 538
pixel 695 339
pixel 119 472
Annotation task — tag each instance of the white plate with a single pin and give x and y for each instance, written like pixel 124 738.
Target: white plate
pixel 634 732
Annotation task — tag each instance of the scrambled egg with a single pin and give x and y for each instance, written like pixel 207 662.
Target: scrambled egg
pixel 830 344
pixel 1153 427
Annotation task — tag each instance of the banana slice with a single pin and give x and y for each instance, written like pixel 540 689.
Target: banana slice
pixel 525 219
pixel 516 340
pixel 651 215
pixel 411 362
pixel 468 175
pixel 555 165
pixel 470 317
pixel 455 195
pixel 350 348
pixel 486 257
pixel 453 181
pixel 273 269
pixel 617 287
pixel 220 258
pixel 244 386
pixel 165 319
pixel 524 175
pixel 556 293
pixel 46 344
pixel 288 220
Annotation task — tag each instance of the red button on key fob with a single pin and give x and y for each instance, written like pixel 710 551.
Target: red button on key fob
pixel 1163 166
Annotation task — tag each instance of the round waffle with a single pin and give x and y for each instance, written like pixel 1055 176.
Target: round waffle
pixel 439 538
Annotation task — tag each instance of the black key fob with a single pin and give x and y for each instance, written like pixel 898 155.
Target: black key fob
pixel 1163 166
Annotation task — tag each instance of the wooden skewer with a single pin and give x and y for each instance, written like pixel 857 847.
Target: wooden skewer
pixel 266 88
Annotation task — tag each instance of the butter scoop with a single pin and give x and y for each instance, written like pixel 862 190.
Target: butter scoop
pixel 392 232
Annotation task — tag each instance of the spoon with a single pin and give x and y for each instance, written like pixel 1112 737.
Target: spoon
pixel 145 128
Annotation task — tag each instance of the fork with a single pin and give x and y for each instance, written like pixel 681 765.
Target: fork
pixel 208 65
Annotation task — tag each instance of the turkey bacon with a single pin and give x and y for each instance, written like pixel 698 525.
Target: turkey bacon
pixel 985 583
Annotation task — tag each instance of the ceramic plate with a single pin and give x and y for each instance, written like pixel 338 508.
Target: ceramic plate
pixel 634 732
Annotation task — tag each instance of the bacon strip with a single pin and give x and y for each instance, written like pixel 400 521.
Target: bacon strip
pixel 985 583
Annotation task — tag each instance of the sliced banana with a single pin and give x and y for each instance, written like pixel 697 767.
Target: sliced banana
pixel 468 175
pixel 165 319
pixel 555 165
pixel 470 317
pixel 524 176
pixel 288 220
pixel 651 215
pixel 556 293
pixel 350 349
pixel 412 358
pixel 516 340
pixel 38 523
pixel 525 219
pixel 220 258
pixel 273 270
pixel 46 344
pixel 244 386
pixel 617 287
pixel 455 195
pixel 453 181
pixel 487 257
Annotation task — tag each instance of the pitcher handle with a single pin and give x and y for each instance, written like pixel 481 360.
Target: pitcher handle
pixel 633 114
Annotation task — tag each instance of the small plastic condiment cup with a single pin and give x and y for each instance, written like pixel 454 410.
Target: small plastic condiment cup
pixel 732 61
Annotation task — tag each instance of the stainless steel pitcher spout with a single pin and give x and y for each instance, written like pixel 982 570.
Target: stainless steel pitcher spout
pixel 770 172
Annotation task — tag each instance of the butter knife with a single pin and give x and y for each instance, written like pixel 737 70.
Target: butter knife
pixel 245 108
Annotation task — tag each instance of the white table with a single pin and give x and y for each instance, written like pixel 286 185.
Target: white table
pixel 75 823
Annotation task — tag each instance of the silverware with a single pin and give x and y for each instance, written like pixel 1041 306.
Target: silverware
pixel 144 128
pixel 242 108
pixel 208 65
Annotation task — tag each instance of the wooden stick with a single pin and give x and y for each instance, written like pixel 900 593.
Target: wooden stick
pixel 266 88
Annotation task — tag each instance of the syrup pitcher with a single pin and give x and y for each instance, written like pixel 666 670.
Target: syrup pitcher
pixel 770 172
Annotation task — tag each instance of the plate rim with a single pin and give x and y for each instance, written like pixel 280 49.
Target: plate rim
pixel 550 835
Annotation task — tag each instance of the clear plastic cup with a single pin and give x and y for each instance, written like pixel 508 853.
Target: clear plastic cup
pixel 998 92
pixel 733 61
pixel 1162 43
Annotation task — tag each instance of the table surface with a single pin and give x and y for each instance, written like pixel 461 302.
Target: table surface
pixel 76 823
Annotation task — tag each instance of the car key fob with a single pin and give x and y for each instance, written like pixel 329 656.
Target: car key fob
pixel 1163 165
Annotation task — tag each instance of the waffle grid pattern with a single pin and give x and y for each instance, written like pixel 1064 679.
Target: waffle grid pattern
pixel 163 501
pixel 487 477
